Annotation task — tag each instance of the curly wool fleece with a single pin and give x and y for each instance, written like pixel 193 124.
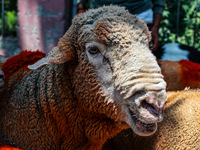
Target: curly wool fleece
pixel 61 102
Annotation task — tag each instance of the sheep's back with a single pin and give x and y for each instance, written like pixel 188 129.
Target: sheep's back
pixel 20 61
pixel 30 108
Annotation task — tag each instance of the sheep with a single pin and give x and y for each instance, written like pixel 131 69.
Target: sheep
pixel 177 52
pixel 101 78
pixel 180 128
pixel 180 74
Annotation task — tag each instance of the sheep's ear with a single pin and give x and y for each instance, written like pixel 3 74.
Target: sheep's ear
pixel 55 56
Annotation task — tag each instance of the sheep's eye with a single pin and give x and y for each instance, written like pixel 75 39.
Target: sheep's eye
pixel 93 50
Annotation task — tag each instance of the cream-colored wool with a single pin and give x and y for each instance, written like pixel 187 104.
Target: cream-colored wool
pixel 179 130
pixel 99 79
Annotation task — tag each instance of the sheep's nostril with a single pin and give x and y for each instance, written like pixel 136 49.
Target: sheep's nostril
pixel 153 109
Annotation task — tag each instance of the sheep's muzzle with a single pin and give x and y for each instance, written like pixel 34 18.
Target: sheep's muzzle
pixel 145 109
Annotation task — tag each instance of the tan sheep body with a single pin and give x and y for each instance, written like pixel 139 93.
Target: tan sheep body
pixel 86 89
pixel 180 128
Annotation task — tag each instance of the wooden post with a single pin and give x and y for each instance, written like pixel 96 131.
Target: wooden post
pixel 41 23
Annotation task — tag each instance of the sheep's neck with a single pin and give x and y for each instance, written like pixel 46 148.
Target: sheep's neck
pixel 89 131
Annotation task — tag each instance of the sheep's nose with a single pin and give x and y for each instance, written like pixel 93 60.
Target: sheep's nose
pixel 154 102
pixel 152 108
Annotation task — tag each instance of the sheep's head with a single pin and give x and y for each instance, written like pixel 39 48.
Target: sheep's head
pixel 116 74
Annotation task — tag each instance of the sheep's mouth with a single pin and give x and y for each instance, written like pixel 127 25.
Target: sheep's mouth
pixel 142 128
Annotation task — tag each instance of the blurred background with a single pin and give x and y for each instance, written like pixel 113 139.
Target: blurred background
pixel 181 23
pixel 39 24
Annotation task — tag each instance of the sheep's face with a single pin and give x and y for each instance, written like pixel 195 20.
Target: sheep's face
pixel 128 73
pixel 137 91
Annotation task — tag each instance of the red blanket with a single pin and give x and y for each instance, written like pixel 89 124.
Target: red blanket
pixel 21 61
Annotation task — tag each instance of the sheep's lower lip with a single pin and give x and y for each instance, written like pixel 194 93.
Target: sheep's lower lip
pixel 146 128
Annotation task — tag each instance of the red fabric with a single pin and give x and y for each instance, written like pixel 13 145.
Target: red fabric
pixel 9 148
pixel 22 60
pixel 190 65
pixel 190 74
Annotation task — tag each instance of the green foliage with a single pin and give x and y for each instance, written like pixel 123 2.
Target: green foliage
pixel 9 5
pixel 10 17
pixel 11 22
pixel 186 28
